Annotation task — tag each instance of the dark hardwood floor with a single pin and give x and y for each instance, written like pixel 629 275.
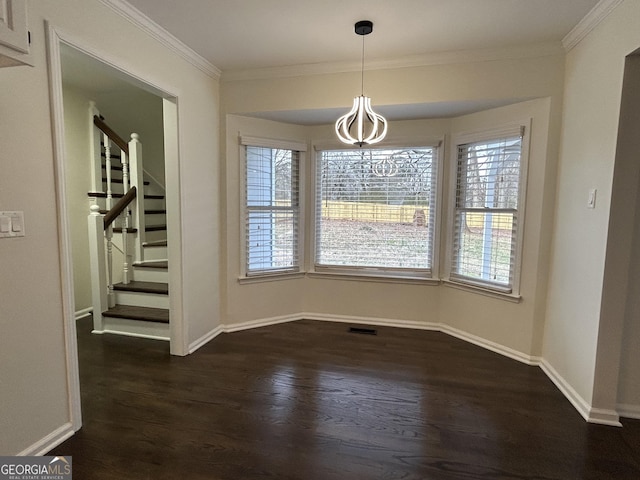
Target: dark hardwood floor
pixel 310 401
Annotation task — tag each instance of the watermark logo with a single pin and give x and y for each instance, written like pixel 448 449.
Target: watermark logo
pixel 35 468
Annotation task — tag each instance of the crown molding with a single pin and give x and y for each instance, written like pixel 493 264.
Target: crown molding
pixel 590 21
pixel 143 22
pixel 430 59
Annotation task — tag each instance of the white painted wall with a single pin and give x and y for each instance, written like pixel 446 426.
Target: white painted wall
pixel 34 394
pixel 576 330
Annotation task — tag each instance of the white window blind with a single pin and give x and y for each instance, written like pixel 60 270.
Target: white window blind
pixel 487 212
pixel 272 210
pixel 375 209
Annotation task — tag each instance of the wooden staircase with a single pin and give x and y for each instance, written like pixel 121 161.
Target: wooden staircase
pixel 139 306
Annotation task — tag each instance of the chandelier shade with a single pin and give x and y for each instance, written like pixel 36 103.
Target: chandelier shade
pixel 361 125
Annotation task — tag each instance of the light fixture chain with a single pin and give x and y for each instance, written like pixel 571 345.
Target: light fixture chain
pixel 362 69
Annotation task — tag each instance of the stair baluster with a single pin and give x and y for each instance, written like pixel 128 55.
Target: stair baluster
pixel 126 215
pixel 126 276
pixel 107 155
pixel 110 295
pixel 136 177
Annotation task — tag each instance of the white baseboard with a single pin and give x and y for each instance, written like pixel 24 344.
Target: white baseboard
pixel 603 416
pixel 85 312
pixel 628 410
pixel 131 334
pixel 579 403
pixel 236 327
pixel 206 338
pixel 390 322
pixel 437 327
pixel 49 442
pixel 492 346
pixel 262 322
pixel 589 413
pixel 380 322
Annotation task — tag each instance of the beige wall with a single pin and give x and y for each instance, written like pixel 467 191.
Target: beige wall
pixel 257 300
pixel 78 183
pixel 576 330
pixel 629 383
pixel 515 79
pixel 622 273
pixel 516 326
pixel 137 111
pixel 513 326
pixel 33 372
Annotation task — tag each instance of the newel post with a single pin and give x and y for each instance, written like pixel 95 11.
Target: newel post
pixel 97 256
pixel 137 180
pixel 96 150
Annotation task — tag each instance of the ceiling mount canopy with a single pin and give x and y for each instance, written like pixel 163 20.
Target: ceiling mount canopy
pixel 361 125
pixel 364 27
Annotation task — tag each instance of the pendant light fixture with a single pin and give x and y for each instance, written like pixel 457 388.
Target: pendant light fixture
pixel 361 126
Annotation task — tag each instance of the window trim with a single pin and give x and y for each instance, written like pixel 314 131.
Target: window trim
pixel 430 276
pixel 275 274
pixel 522 128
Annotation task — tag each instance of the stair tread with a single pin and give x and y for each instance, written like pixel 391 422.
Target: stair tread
pixel 120 195
pixel 160 315
pixel 154 228
pixel 143 287
pixel 119 180
pixel 155 212
pixel 129 230
pixel 157 243
pixel 153 264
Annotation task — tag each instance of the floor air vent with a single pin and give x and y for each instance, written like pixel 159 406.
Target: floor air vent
pixel 363 331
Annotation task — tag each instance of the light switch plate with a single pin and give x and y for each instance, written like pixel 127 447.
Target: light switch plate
pixel 11 224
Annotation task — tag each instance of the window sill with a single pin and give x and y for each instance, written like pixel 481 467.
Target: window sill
pixel 509 297
pixel 369 277
pixel 270 277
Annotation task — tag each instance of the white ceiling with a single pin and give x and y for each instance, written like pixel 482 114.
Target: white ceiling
pixel 251 34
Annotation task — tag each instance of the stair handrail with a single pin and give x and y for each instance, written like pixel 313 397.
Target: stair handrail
pixel 130 208
pixel 119 207
pixel 115 138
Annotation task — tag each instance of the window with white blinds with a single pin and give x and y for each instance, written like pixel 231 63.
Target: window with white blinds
pixel 375 210
pixel 271 209
pixel 487 212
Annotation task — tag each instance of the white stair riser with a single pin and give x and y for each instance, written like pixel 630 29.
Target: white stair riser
pixel 135 328
pixel 155 253
pixel 155 236
pixel 141 274
pixel 140 299
pixel 154 203
pixel 155 219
